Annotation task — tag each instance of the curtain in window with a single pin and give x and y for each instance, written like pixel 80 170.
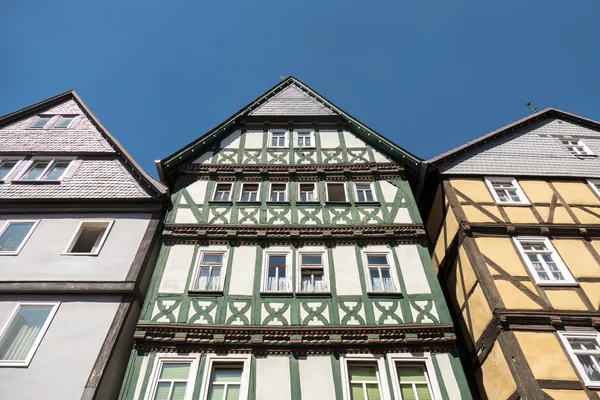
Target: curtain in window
pixel 591 370
pixel 23 331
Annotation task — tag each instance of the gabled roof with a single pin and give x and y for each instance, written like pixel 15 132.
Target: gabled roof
pixel 154 185
pixel 546 113
pixel 290 97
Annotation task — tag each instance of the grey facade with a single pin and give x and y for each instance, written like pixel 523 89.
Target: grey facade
pixel 78 222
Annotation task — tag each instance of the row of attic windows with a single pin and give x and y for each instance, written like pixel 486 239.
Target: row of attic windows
pixel 52 122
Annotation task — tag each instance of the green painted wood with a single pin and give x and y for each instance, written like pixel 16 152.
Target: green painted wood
pixel 198 377
pixel 295 378
pixel 131 374
pixel 369 314
pixel 461 379
pixel 146 378
pixel 440 378
pixel 337 376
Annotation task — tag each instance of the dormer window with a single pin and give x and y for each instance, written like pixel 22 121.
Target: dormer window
pixel 52 121
pixel 41 121
pixel 577 147
pixel 63 122
pixel 45 170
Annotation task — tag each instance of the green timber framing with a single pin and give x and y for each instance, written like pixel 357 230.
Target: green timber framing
pixel 220 322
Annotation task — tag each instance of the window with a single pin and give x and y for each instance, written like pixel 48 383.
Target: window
pixel 278 192
pixel 312 273
pixel 304 139
pixel 277 273
pixel 380 274
pixel 225 377
pixel 577 147
pixel 222 192
pixel 307 192
pixel 250 192
pixel 278 139
pixel 7 166
pixel 14 234
pixel 413 381
pixel 64 122
pixel 89 238
pixel 173 378
pixel 209 271
pixel 584 350
pixel 364 381
pixel 24 332
pixel 41 121
pixel 336 192
pixel 45 170
pixel 544 263
pixel 594 184
pixel 364 192
pixel 506 190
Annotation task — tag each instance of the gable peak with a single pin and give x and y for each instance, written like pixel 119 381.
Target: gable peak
pixel 293 99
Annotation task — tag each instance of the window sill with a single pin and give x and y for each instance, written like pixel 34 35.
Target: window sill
pixel 308 203
pixel 368 203
pixel 585 155
pixel 313 294
pixel 80 254
pixel 554 284
pixel 305 148
pixel 338 203
pixel 248 203
pixel 276 294
pixel 384 294
pixel 515 204
pixel 212 293
pixel 40 182
pixel 275 203
pixel 220 202
pixel 9 254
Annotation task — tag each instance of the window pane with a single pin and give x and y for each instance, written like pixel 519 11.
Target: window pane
pixel 89 238
pixel 590 368
pixel 203 278
pixel 423 392
pixel 376 281
pixel 212 259
pixel 336 192
pixel 311 259
pixel 407 392
pixel 36 171
pixel 17 341
pixel 583 344
pixel 175 371
pixel 373 392
pixel 277 261
pixel 57 170
pixel 178 390
pixel 362 373
pixel 5 168
pixel 41 122
pixel 411 373
pixel 216 393
pixel 222 375
pixel 162 391
pixel 64 122
pixel 233 392
pixel 14 235
pixel 377 259
pixel 357 391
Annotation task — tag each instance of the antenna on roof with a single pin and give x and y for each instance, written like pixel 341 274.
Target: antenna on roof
pixel 532 107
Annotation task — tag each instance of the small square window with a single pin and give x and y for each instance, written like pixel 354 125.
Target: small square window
pixel 307 192
pixel 7 166
pixel 24 332
pixel 210 271
pixel 278 139
pixel 64 122
pixel 278 192
pixel 250 192
pixel 577 147
pixel 364 192
pixel 222 192
pixel 304 139
pixel 336 192
pixel 41 121
pixel 277 276
pixel 543 261
pixel 506 190
pixel 14 234
pixel 380 273
pixel 89 238
pixel 45 170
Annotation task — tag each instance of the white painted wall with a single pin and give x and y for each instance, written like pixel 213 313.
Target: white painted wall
pixel 412 269
pixel 273 378
pixel 389 191
pixel 254 139
pixel 51 238
pixel 197 191
pixel 176 269
pixel 316 378
pixel 330 138
pixel 232 141
pixel 241 278
pixel 346 271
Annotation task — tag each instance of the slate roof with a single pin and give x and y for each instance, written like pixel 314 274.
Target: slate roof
pixel 292 101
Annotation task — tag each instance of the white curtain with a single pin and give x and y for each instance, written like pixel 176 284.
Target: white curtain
pixel 23 331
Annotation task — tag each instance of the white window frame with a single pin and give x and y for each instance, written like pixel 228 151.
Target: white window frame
pixel 5 226
pixel 372 188
pixel 376 359
pixel 258 192
pixel 593 183
pixel 193 285
pixel 569 279
pixel 38 340
pixel 213 359
pixel 285 195
pixel 61 117
pixel 78 231
pixel 212 198
pixel 315 192
pixel 51 162
pixel 286 140
pixel 416 358
pixel 392 267
pixel 514 183
pixel 168 358
pixel 584 335
pixel 297 138
pixel 580 142
pixel 18 160
pixel 324 266
pixel 345 192
pixel 288 270
pixel 37 118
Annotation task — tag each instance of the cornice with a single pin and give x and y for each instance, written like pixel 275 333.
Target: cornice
pixel 181 338
pixel 249 172
pixel 507 229
pixel 273 234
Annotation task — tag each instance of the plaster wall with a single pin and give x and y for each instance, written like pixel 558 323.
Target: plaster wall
pixel 494 377
pixel 273 378
pixel 545 356
pixel 346 270
pixel 242 270
pixel 52 236
pixel 316 378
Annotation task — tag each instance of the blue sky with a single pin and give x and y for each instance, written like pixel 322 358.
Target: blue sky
pixel 428 75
